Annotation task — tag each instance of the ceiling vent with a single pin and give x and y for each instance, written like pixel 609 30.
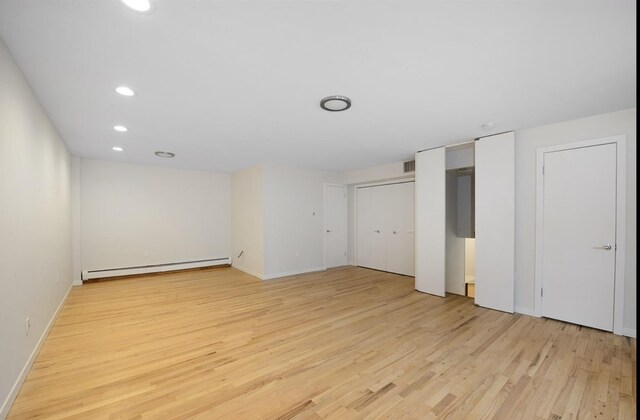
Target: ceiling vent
pixel 410 166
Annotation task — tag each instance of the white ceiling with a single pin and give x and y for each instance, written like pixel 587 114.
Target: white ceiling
pixel 226 85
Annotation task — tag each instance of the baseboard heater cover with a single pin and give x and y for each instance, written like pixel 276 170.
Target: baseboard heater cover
pixel 153 268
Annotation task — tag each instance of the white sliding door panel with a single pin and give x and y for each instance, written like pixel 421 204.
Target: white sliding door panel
pixel 335 225
pixel 495 221
pixel 430 219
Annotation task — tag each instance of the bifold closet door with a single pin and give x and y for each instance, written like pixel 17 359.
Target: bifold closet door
pixel 495 221
pixel 385 227
pixel 371 245
pixel 400 228
pixel 430 220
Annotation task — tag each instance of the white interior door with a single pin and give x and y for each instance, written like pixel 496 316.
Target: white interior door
pixel 400 228
pixel 335 225
pixel 430 220
pixel 495 221
pixel 579 235
pixel 371 252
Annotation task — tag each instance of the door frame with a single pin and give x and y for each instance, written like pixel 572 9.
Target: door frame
pixel 354 228
pixel 324 222
pixel 621 200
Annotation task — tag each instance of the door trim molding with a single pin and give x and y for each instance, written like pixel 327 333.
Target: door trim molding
pixel 324 222
pixel 621 200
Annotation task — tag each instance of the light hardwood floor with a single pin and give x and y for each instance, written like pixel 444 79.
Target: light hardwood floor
pixel 345 343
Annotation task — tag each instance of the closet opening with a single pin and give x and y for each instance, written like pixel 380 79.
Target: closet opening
pixel 460 221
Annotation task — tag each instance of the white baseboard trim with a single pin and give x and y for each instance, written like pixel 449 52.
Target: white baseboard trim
pixel 292 273
pixel 525 311
pixel 8 402
pixel 156 268
pixel 629 332
pixel 246 270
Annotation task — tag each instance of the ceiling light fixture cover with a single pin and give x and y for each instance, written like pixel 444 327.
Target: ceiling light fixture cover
pixel 142 6
pixel 335 103
pixel 117 149
pixel 165 154
pixel 120 128
pixel 125 91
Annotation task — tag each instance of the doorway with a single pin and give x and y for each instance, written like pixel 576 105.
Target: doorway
pixel 460 230
pixel 580 218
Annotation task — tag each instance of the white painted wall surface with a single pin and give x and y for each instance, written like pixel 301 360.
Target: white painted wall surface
pixel 136 215
pixel 76 225
pixel 386 172
pixel 461 156
pixel 527 142
pixel 351 225
pixel 293 219
pixel 247 220
pixel 35 224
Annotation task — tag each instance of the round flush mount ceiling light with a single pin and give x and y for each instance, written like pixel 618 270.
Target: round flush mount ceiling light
pixel 125 91
pixel 120 128
pixel 117 149
pixel 166 155
pixel 335 103
pixel 142 6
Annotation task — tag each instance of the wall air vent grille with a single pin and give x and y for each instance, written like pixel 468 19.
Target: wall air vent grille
pixel 410 166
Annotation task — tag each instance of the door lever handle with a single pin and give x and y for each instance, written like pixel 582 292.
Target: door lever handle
pixel 606 247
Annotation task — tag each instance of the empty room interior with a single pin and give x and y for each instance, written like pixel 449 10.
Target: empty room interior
pixel 314 209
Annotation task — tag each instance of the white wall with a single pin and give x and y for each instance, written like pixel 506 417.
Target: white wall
pixel 527 142
pixel 136 215
pixel 247 220
pixel 461 156
pixel 35 224
pixel 294 219
pixel 386 172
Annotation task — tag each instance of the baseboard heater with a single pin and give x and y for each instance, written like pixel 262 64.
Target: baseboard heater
pixel 153 268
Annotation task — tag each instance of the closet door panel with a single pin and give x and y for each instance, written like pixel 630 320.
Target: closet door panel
pixel 379 227
pixel 495 221
pixel 364 227
pixel 430 219
pixel 371 252
pixel 400 237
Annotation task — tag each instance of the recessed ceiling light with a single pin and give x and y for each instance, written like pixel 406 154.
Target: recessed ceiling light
pixel 117 149
pixel 164 154
pixel 138 5
pixel 335 103
pixel 120 128
pixel 125 91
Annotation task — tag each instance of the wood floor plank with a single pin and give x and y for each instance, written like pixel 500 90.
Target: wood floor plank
pixel 343 343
